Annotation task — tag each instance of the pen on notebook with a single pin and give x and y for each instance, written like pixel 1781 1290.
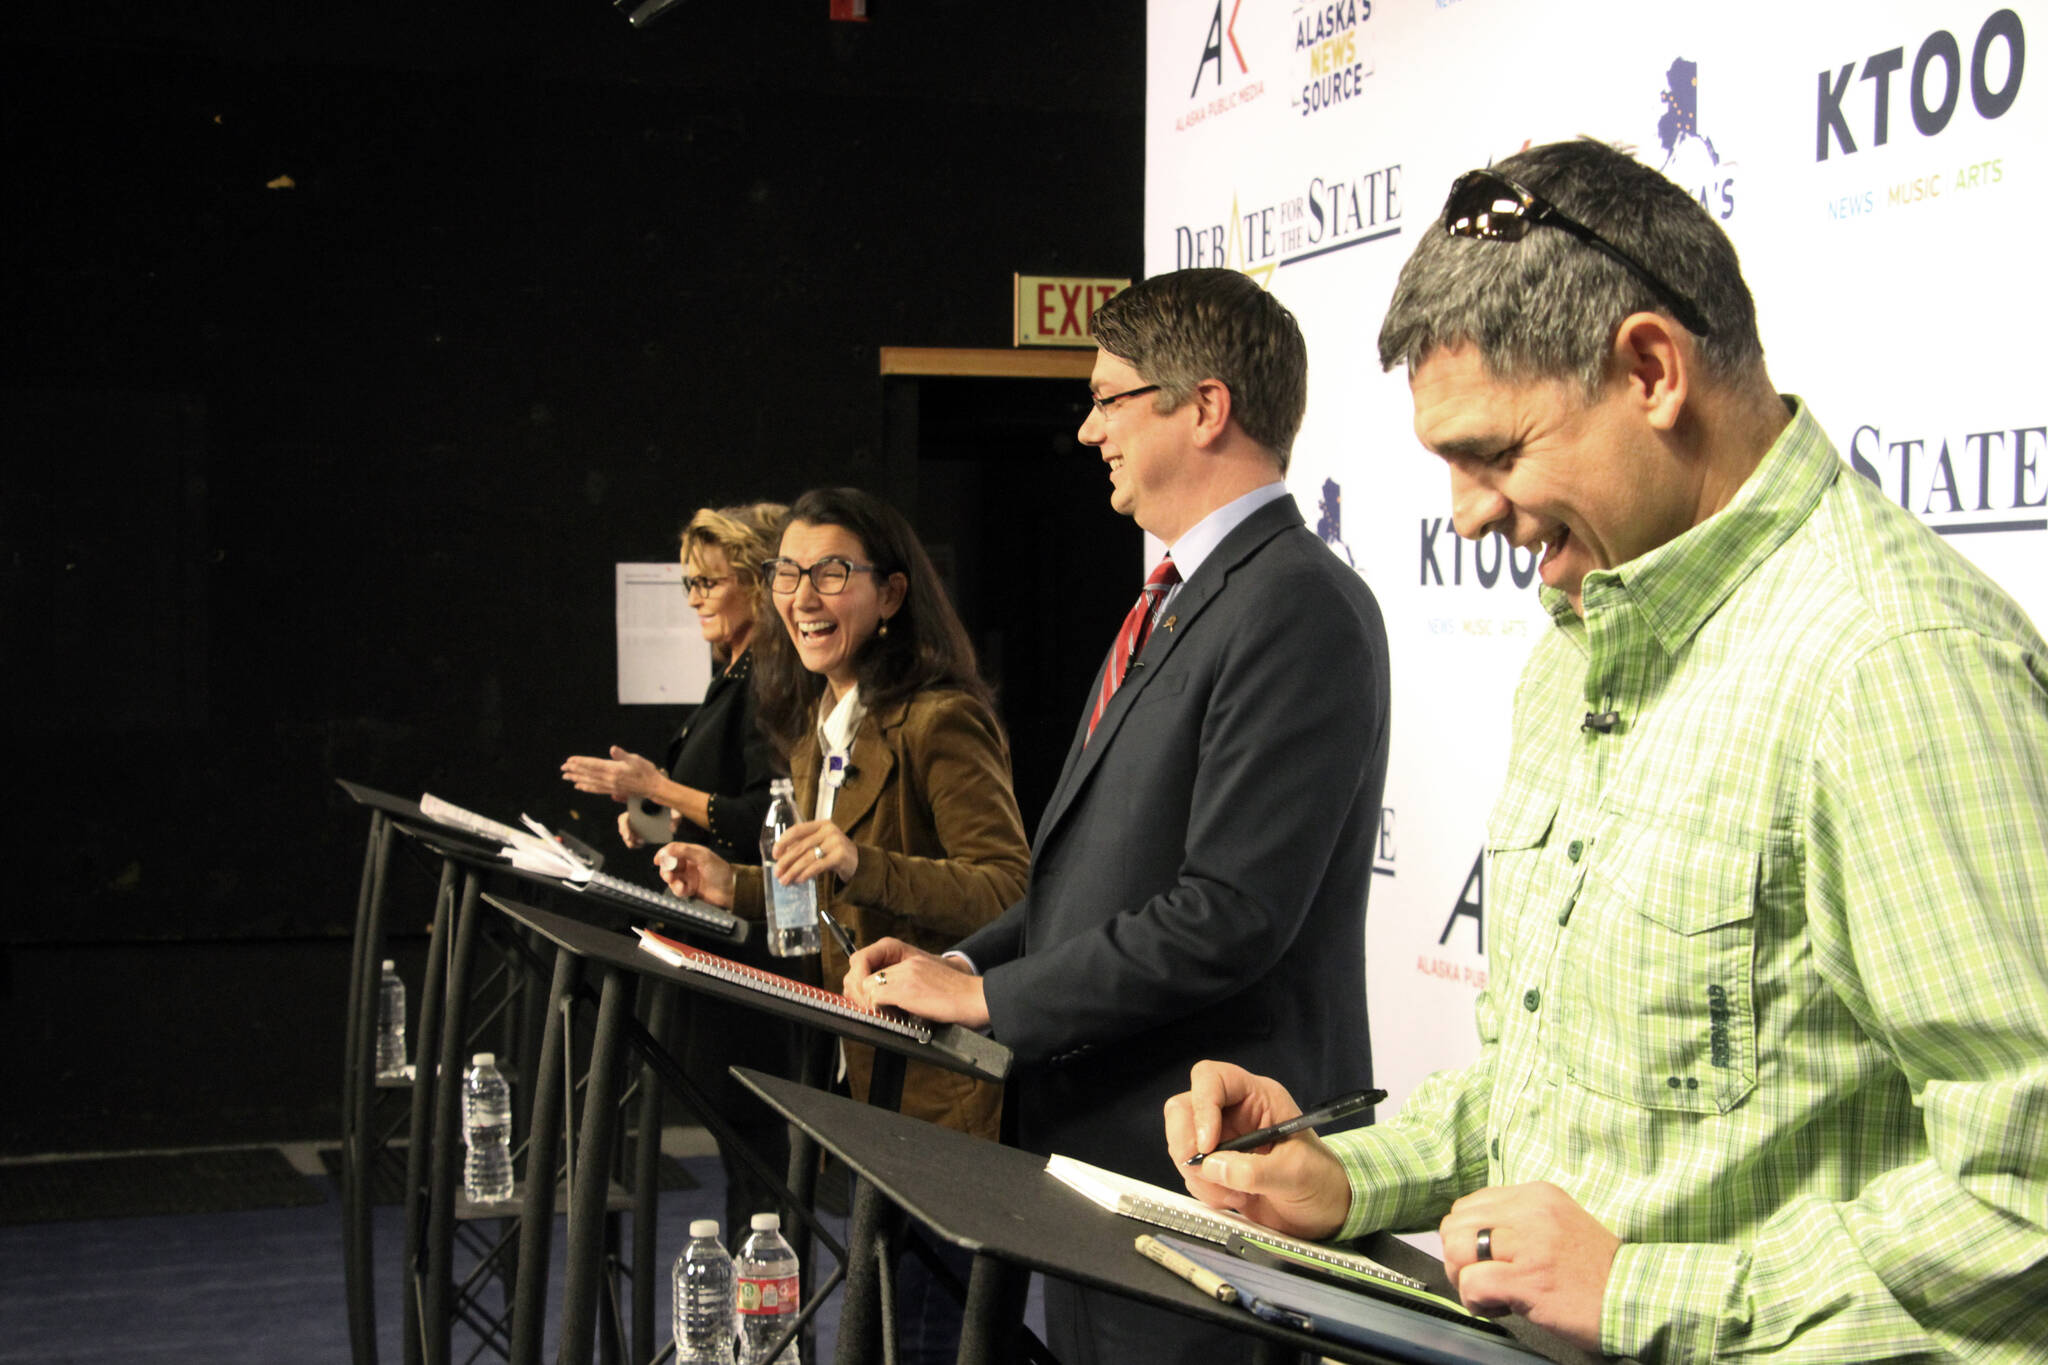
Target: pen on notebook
pixel 838 930
pixel 1327 1112
pixel 1202 1278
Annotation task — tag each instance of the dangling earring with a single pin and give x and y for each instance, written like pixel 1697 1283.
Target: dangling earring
pixel 883 629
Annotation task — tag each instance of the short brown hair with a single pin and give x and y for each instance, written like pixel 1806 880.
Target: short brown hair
pixel 1186 326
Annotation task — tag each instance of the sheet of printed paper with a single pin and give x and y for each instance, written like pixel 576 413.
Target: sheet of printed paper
pixel 663 658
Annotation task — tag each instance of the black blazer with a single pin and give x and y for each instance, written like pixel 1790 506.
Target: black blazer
pixel 721 751
pixel 1199 879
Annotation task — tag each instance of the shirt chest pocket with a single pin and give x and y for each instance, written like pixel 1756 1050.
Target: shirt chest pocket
pixel 1516 834
pixel 1655 1002
pixel 1517 874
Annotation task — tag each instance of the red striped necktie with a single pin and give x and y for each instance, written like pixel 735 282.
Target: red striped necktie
pixel 1129 640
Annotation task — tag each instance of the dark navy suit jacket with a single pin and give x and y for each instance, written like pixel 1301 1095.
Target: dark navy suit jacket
pixel 1198 883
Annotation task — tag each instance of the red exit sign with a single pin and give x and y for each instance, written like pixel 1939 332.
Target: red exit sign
pixel 1053 310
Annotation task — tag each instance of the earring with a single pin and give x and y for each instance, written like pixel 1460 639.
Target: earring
pixel 883 629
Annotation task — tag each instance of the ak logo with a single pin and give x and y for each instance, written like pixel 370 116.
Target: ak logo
pixel 1223 81
pixel 1220 34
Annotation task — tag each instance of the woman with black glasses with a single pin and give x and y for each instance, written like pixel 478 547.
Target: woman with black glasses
pixel 870 688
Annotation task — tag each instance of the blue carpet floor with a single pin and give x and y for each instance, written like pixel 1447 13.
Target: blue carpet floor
pixel 255 1288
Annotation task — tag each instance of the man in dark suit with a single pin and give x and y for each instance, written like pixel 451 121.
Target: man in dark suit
pixel 1198 884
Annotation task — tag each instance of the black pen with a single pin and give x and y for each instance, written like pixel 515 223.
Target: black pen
pixel 845 939
pixel 1340 1108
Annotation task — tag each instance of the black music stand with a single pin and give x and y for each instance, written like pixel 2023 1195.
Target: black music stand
pixel 434 1211
pixel 364 1146
pixel 616 956
pixel 1000 1203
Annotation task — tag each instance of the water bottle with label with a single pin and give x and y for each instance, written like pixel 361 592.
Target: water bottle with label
pixel 390 1023
pixel 792 910
pixel 706 1303
pixel 487 1128
pixel 768 1292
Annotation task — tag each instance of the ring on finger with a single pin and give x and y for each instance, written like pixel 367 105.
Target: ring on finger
pixel 818 852
pixel 1485 1248
pixel 881 978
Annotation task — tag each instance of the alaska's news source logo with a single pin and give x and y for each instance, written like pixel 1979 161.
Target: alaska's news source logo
pixel 1329 48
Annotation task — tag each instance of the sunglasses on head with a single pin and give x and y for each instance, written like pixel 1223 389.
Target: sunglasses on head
pixel 1493 208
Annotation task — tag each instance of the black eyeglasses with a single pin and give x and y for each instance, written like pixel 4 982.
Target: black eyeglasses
pixel 1104 404
pixel 829 575
pixel 702 584
pixel 1489 206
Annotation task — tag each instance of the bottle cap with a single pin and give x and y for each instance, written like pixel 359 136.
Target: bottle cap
pixel 389 965
pixel 766 1222
pixel 703 1227
pixel 484 1059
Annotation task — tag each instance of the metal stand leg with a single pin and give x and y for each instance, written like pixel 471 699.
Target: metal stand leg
pixel 860 1313
pixel 818 1051
pixel 995 1310
pixel 586 1250
pixel 647 1177
pixel 419 1144
pixel 862 1321
pixel 358 1091
pixel 447 1140
pixel 537 1217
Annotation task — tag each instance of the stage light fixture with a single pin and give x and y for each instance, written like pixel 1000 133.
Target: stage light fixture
pixel 644 12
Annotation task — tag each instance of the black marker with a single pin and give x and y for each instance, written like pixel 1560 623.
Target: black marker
pixel 1328 1110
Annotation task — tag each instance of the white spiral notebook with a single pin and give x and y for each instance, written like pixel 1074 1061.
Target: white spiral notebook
pixel 1169 1209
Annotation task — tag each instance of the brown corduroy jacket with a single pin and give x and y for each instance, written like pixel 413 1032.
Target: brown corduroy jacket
pixel 929 807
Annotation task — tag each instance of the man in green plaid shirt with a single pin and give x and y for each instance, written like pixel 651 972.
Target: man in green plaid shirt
pixel 1764 1048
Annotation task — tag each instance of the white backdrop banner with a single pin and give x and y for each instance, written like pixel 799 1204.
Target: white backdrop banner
pixel 1883 170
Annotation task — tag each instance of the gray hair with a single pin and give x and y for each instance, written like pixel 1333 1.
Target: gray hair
pixel 1546 307
pixel 1181 328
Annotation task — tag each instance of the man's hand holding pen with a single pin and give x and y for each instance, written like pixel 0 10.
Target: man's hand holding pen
pixel 1297 1187
pixel 1528 1249
pixel 893 973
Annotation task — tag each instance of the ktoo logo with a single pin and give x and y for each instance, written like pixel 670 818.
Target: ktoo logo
pixel 1934 87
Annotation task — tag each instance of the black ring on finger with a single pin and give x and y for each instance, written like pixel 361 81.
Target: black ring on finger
pixel 1485 1249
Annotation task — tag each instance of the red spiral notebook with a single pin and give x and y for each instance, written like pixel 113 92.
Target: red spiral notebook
pixel 692 959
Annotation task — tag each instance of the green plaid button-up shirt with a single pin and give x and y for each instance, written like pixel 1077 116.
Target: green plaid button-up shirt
pixel 1768 970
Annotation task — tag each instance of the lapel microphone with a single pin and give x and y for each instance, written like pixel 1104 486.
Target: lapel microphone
pixel 1603 721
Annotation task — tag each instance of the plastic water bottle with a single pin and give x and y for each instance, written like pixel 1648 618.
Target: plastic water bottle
pixel 767 1291
pixel 487 1128
pixel 706 1306
pixel 792 910
pixel 390 1023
